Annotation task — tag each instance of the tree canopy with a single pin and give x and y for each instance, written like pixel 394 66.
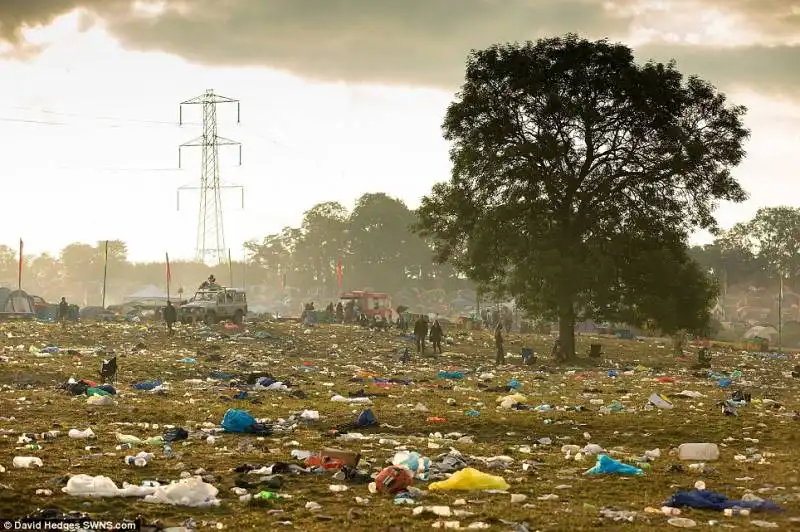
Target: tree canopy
pixel 578 174
pixel 773 235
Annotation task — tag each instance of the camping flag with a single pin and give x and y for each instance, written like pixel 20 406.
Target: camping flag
pixel 230 267
pixel 105 274
pixel 339 273
pixel 283 281
pixel 19 277
pixel 169 276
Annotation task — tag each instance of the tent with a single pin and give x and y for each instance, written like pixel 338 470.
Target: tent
pixel 767 333
pixel 151 295
pixel 15 303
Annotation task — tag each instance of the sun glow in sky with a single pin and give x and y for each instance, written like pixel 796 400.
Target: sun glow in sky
pixel 91 137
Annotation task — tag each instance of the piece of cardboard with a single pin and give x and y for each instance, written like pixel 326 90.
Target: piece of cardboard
pixel 348 458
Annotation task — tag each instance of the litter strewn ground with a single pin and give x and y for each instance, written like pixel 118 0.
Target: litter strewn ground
pixel 332 406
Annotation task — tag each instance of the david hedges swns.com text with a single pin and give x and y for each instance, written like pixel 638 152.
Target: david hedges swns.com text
pixel 72 526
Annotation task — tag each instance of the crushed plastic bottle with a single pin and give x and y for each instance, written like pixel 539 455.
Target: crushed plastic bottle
pixel 27 462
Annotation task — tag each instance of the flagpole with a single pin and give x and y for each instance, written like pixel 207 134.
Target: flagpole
pixel 230 267
pixel 780 317
pixel 105 274
pixel 19 273
pixel 169 277
pixel 244 269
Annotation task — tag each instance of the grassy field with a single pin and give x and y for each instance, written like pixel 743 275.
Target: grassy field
pixel 329 359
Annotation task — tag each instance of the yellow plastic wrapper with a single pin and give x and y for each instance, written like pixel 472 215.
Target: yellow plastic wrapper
pixel 469 479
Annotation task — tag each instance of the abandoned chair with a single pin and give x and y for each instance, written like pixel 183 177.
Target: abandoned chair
pixel 703 359
pixel 108 370
pixel 595 350
pixel 558 351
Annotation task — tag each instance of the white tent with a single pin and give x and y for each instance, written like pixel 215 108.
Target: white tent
pixel 767 333
pixel 151 295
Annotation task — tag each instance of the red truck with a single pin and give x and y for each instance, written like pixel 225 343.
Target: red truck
pixel 371 303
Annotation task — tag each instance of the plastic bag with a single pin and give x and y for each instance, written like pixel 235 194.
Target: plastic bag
pixel 414 462
pixel 608 466
pixel 241 421
pixel 470 479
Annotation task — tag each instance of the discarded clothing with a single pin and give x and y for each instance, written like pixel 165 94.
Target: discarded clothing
pixel 712 500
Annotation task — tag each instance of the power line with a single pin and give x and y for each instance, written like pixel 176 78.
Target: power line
pixel 122 122
pixel 101 117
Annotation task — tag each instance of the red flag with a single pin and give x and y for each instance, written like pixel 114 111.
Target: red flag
pixel 169 271
pixel 283 281
pixel 19 279
pixel 339 273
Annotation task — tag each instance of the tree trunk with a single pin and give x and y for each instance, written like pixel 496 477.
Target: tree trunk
pixel 566 327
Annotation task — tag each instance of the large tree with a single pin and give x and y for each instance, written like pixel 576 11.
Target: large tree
pixel 561 150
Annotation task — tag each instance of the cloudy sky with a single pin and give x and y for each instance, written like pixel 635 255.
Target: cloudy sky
pixel 339 97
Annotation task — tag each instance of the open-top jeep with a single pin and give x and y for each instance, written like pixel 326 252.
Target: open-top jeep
pixel 212 305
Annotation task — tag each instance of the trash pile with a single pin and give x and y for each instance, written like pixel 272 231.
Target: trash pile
pixel 308 427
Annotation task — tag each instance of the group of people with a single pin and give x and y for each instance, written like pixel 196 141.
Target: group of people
pixel 435 333
pixel 422 332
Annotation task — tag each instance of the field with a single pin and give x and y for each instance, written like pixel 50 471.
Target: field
pixel 326 360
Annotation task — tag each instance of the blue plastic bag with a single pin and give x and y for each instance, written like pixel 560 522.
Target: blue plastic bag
pixel 366 419
pixel 608 466
pixel 237 421
pixel 147 385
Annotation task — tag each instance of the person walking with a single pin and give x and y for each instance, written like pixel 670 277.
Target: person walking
pixel 436 336
pixel 62 314
pixel 421 333
pixel 498 342
pixel 170 317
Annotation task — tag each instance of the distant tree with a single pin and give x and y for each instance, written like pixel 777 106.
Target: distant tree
pixel 44 274
pixel 275 253
pixel 9 262
pixel 773 235
pixel 730 263
pixel 384 253
pixel 564 148
pixel 323 241
pixel 117 250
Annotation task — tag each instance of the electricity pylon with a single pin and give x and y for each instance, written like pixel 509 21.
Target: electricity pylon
pixel 210 226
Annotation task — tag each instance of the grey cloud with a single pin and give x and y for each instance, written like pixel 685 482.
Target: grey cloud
pixel 410 42
pixel 774 18
pixel 766 69
pixel 407 41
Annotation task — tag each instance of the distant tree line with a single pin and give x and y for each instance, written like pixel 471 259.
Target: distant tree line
pixel 757 252
pixel 373 246
pixel 374 242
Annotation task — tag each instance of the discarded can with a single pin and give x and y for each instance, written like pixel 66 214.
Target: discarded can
pixel 124 446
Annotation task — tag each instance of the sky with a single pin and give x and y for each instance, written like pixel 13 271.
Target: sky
pixel 338 98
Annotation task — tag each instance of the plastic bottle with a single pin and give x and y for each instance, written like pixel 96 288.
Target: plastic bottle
pixel 26 462
pixel 730 512
pixel 699 452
